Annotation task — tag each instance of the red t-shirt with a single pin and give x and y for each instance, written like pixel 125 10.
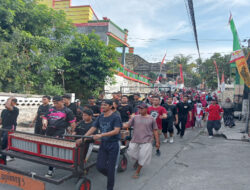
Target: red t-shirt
pixel 214 112
pixel 156 112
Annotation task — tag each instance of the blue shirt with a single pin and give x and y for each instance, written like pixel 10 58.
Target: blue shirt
pixel 107 124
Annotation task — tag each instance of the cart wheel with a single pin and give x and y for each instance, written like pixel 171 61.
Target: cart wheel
pixel 122 164
pixel 83 184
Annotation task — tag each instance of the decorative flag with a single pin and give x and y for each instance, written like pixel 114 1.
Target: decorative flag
pixel 217 71
pixel 163 59
pixel 238 55
pixel 162 62
pixel 181 74
pixel 159 78
pixel 222 83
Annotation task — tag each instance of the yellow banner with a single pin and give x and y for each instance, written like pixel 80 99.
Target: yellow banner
pixel 243 70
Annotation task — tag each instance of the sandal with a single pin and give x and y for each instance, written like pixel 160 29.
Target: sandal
pixel 136 176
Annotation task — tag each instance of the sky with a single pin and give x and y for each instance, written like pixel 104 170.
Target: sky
pixel 157 27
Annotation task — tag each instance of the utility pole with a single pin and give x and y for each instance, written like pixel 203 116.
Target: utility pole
pixel 61 72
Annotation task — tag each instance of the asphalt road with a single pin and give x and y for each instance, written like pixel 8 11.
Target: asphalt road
pixel 192 163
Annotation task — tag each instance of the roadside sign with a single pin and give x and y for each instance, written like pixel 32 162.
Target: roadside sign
pixel 20 181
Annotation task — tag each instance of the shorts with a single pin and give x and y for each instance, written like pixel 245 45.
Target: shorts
pixel 167 126
pixel 141 152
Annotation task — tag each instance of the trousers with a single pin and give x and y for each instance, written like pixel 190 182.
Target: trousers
pixel 107 161
pixel 182 121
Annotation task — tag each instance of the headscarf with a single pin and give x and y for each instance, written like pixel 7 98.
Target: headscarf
pixel 199 108
pixel 228 103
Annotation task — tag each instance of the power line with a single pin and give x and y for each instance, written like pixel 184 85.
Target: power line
pixel 191 11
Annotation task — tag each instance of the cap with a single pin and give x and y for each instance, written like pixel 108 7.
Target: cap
pixel 143 106
pixel 109 102
pixel 77 100
pixel 57 98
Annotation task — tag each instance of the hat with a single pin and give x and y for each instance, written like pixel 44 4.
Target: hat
pixel 109 102
pixel 57 98
pixel 143 106
pixel 77 100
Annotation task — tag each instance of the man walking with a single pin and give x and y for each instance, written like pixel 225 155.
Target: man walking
pixel 125 109
pixel 158 113
pixel 42 110
pixel 167 124
pixel 184 109
pixel 140 147
pixel 55 122
pixel 109 124
pixel 9 121
pixel 214 113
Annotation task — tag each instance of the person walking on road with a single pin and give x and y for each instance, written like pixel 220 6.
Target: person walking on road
pixel 158 113
pixel 228 108
pixel 109 124
pixel 167 124
pixel 140 147
pixel 42 110
pixel 184 110
pixel 9 122
pixel 214 113
pixel 125 109
pixel 55 122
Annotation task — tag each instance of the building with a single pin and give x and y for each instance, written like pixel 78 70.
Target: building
pixel 140 65
pixel 86 21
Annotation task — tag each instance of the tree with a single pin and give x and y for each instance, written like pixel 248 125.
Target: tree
pixel 152 75
pixel 91 62
pixel 207 69
pixel 32 39
pixel 191 77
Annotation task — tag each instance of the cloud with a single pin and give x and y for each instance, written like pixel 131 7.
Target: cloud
pixel 152 24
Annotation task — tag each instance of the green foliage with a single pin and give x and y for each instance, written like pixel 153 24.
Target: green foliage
pixel 36 41
pixel 191 77
pixel 91 62
pixel 152 75
pixel 207 69
pixel 32 39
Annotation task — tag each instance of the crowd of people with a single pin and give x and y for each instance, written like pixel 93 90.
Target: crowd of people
pixel 150 116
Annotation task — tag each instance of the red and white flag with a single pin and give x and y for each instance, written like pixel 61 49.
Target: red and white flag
pixel 222 85
pixel 181 74
pixel 217 71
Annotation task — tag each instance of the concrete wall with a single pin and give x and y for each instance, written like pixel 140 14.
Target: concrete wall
pixel 99 30
pixel 27 104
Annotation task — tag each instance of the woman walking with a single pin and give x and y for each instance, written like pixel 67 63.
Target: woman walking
pixel 228 108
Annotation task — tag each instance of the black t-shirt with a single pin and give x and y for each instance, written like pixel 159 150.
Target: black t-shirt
pixel 135 106
pixel 183 109
pixel 95 109
pixel 125 111
pixel 9 118
pixel 83 127
pixel 58 121
pixel 171 110
pixel 107 124
pixel 42 110
pixel 79 111
pixel 73 108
